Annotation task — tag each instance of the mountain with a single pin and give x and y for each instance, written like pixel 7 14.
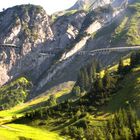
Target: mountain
pixel 92 22
pixel 27 27
pixel 47 47
pixel 92 4
pixel 72 73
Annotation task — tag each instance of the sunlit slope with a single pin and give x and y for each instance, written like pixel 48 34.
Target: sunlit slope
pixel 128 30
pixel 60 92
pixel 14 93
pixel 21 132
pixel 129 93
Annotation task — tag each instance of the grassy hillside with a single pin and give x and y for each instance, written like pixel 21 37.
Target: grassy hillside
pixel 23 132
pixel 128 31
pixel 60 92
pixel 72 117
pixel 100 106
pixel 14 93
pixel 129 94
pixel 75 117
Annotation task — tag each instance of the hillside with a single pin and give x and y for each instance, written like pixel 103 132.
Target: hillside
pixel 21 132
pixel 129 94
pixel 15 93
pixel 72 116
pixel 61 76
pixel 47 46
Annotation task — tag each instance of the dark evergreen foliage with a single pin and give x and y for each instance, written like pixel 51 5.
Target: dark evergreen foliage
pixel 123 125
pixel 135 59
pixel 120 67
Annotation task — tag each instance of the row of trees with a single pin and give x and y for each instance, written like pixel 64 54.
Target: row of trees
pixel 100 88
pixel 124 126
pixel 97 87
pixel 134 61
pixel 87 75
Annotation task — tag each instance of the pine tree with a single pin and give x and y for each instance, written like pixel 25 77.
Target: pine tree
pixel 120 67
pixel 91 79
pixel 99 84
pixel 52 100
pixel 94 70
pixel 106 80
pixel 133 60
pixel 76 91
pixel 98 67
pixel 86 79
pixel 81 80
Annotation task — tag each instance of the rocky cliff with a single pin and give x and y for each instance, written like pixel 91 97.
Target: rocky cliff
pixel 37 40
pixel 27 27
pixel 94 21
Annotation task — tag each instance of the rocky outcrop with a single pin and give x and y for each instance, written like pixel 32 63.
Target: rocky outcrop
pixel 99 21
pixel 93 4
pixel 66 28
pixel 45 48
pixel 90 4
pixel 27 27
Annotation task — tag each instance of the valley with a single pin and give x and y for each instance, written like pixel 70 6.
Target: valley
pixel 72 75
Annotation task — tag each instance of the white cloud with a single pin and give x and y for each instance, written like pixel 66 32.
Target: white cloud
pixel 49 5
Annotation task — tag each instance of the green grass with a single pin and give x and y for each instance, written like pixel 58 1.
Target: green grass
pixel 129 94
pixel 128 31
pixel 71 12
pixel 61 93
pixel 120 31
pixel 14 93
pixel 133 34
pixel 16 131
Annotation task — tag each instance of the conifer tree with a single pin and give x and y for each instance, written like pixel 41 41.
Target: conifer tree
pixel 133 60
pixel 91 79
pixel 81 80
pixel 52 100
pixel 76 91
pixel 86 79
pixel 106 80
pixel 120 67
pixel 99 84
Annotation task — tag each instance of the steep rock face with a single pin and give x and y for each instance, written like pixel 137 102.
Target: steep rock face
pixel 93 4
pixel 46 51
pixel 66 28
pixel 27 27
pixel 93 22
pixel 89 4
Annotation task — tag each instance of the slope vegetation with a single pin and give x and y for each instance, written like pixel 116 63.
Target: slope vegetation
pixel 14 93
pixel 23 132
pixel 128 31
pixel 129 94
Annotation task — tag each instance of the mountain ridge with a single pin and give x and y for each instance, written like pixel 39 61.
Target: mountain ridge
pixel 55 45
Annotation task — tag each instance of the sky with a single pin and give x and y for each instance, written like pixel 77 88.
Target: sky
pixel 50 6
